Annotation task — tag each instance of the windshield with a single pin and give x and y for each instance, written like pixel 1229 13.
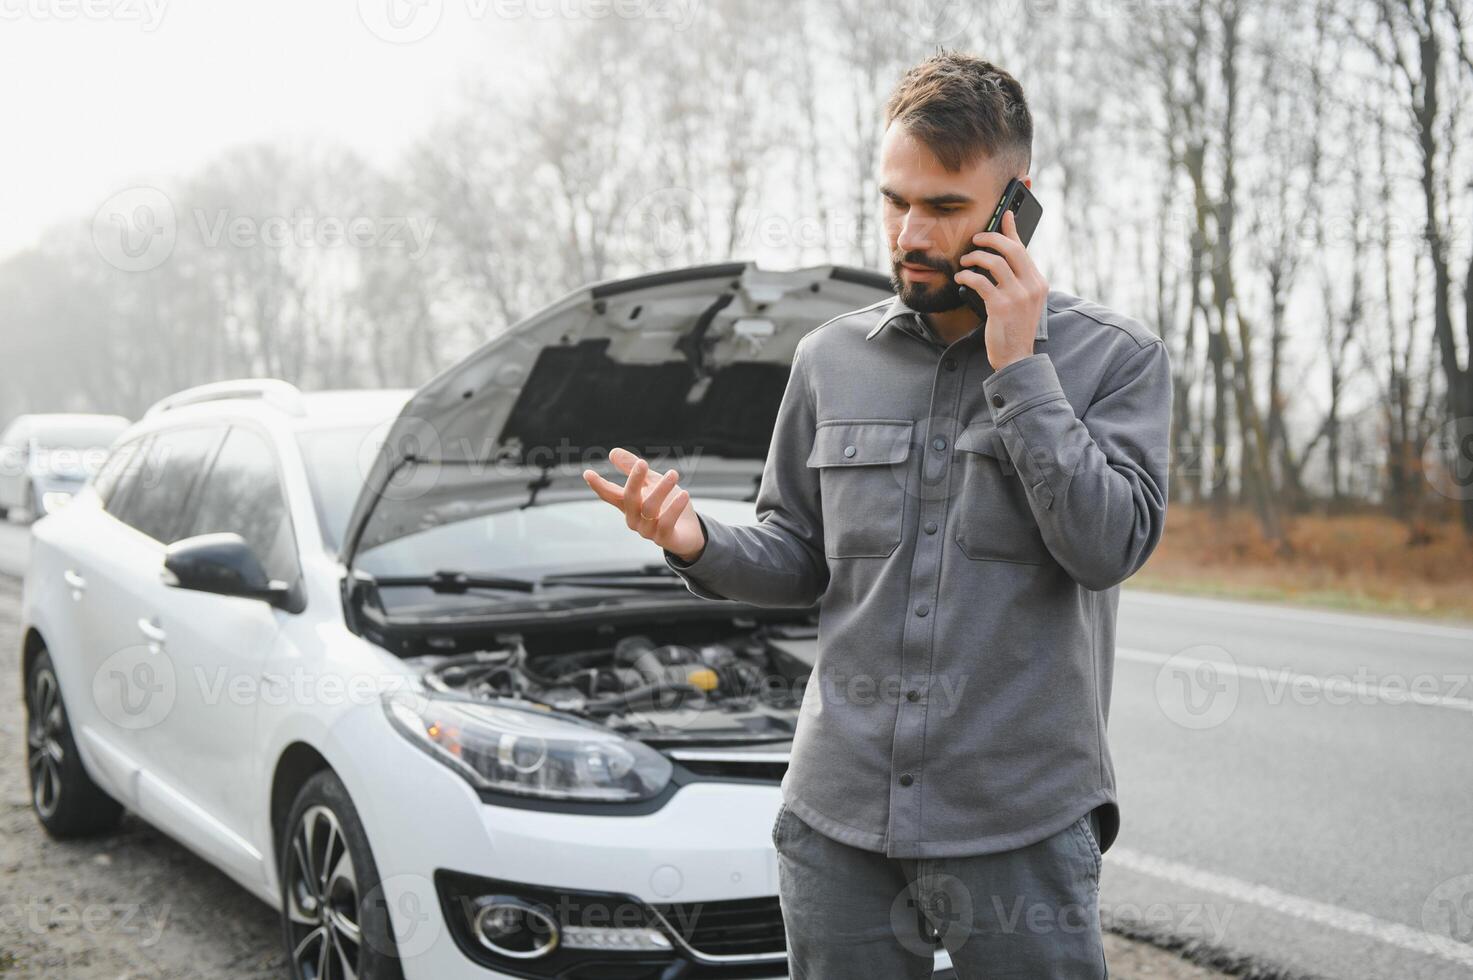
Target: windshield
pixel 560 536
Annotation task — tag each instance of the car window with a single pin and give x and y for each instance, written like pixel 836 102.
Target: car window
pixel 242 493
pixel 128 477
pixel 160 487
pixel 110 474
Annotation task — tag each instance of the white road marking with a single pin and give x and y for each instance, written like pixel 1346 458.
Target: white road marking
pixel 1345 920
pixel 1284 678
pixel 1353 621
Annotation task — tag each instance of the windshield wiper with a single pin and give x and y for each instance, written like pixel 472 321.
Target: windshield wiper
pixel 458 583
pixel 653 576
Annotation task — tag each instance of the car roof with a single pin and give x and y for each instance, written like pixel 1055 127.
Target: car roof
pixel 275 402
pixel 43 419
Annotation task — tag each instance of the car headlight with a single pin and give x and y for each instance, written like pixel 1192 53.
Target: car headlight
pixel 528 752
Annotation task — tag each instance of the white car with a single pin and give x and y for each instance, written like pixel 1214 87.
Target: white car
pixel 385 659
pixel 45 458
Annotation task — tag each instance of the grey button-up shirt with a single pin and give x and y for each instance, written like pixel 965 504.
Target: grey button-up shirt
pixel 964 531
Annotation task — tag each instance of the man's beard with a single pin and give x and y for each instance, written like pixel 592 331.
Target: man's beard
pixel 923 297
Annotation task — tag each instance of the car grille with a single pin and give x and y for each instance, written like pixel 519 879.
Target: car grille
pixel 733 927
pixel 766 765
pixel 771 772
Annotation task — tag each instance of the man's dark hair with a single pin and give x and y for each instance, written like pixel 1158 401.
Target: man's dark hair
pixel 962 107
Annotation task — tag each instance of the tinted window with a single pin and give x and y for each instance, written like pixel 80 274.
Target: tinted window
pixel 110 476
pixel 158 493
pixel 127 477
pixel 243 494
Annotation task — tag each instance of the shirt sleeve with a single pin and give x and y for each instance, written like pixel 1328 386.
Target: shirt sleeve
pixel 1096 483
pixel 779 561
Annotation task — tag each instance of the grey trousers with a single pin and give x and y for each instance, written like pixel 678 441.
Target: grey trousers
pixel 854 914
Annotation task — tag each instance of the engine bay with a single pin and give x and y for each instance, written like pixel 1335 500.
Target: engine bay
pixel 670 684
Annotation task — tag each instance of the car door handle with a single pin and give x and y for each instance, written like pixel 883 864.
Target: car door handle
pixel 152 631
pixel 77 582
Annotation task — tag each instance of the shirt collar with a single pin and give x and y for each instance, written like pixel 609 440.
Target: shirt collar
pixel 897 309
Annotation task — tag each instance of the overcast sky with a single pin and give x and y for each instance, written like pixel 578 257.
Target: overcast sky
pixel 99 95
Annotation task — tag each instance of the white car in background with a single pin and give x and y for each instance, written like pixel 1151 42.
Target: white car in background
pixel 45 458
pixel 384 659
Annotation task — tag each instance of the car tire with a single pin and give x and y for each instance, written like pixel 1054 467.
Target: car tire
pixel 63 797
pixel 319 920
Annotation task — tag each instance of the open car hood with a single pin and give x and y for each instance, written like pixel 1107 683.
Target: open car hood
pixel 686 368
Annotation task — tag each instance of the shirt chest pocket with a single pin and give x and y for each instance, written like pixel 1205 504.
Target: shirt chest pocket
pixel 991 518
pixel 862 481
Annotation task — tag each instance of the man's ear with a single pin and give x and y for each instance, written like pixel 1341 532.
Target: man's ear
pixel 1027 181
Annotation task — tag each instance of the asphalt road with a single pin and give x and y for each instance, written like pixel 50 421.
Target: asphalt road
pixel 1296 791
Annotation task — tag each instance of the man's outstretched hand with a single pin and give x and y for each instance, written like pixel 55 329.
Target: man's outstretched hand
pixel 652 504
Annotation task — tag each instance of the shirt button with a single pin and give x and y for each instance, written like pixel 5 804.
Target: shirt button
pixel 997 400
pixel 950 363
pixel 940 443
pixel 912 695
pixel 848 450
pixel 930 527
pixel 906 779
pixel 922 609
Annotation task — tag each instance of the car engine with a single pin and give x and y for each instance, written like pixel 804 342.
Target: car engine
pixel 739 687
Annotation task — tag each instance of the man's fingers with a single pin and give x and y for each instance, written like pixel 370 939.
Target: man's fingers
pixel 633 493
pixel 650 510
pixel 666 524
pixel 977 281
pixel 611 492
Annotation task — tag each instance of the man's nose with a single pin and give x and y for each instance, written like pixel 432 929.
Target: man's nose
pixel 916 234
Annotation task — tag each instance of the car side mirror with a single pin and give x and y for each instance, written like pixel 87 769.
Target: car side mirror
pixel 222 563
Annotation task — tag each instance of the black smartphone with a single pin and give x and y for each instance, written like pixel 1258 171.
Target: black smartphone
pixel 1026 211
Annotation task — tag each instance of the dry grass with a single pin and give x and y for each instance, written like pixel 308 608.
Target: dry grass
pixel 1366 562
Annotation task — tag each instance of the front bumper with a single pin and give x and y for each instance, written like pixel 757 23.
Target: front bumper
pixel 709 848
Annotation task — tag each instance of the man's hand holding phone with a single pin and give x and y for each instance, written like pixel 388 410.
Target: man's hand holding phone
pixel 1015 302
pixel 653 504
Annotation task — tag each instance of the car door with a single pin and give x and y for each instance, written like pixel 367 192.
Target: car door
pixel 220 644
pixel 114 578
